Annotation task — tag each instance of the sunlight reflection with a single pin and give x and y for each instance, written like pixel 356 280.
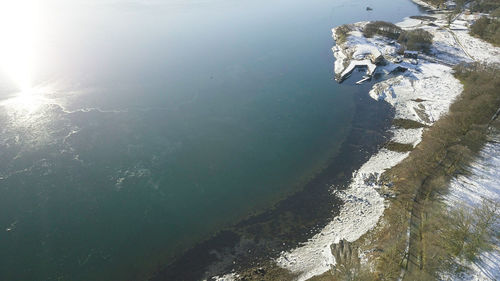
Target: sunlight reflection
pixel 20 30
pixel 27 101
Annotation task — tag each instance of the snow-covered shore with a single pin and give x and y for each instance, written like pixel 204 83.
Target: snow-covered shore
pixel 362 208
pixel 424 4
pixel 422 93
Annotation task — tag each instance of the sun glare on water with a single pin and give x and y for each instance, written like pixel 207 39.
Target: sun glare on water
pixel 20 26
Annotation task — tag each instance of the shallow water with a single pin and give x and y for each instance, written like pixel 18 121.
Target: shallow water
pixel 152 124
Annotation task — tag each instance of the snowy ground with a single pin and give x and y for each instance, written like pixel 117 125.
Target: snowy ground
pixel 227 277
pixel 483 183
pixel 423 93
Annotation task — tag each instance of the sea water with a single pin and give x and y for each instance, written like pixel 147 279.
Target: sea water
pixel 150 125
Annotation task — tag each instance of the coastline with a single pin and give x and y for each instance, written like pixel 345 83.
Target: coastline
pixel 424 4
pixel 294 219
pixel 423 93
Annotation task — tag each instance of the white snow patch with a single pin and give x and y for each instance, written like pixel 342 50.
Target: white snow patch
pixel 482 183
pixel 424 4
pixel 227 277
pixel 356 63
pixel 411 136
pixel 409 23
pixel 365 50
pixel 477 48
pixel 340 59
pixel 433 83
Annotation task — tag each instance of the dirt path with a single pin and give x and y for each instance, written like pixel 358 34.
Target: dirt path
pixel 415 255
pixel 460 44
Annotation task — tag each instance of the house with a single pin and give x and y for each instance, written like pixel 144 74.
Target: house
pixel 450 5
pixel 376 57
pixel 410 54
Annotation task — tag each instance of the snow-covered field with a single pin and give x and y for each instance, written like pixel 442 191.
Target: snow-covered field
pixel 471 190
pixel 423 93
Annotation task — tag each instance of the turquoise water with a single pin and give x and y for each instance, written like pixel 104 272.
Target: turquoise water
pixel 152 124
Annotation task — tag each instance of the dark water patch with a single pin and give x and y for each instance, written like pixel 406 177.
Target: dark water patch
pixel 426 18
pixel 257 239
